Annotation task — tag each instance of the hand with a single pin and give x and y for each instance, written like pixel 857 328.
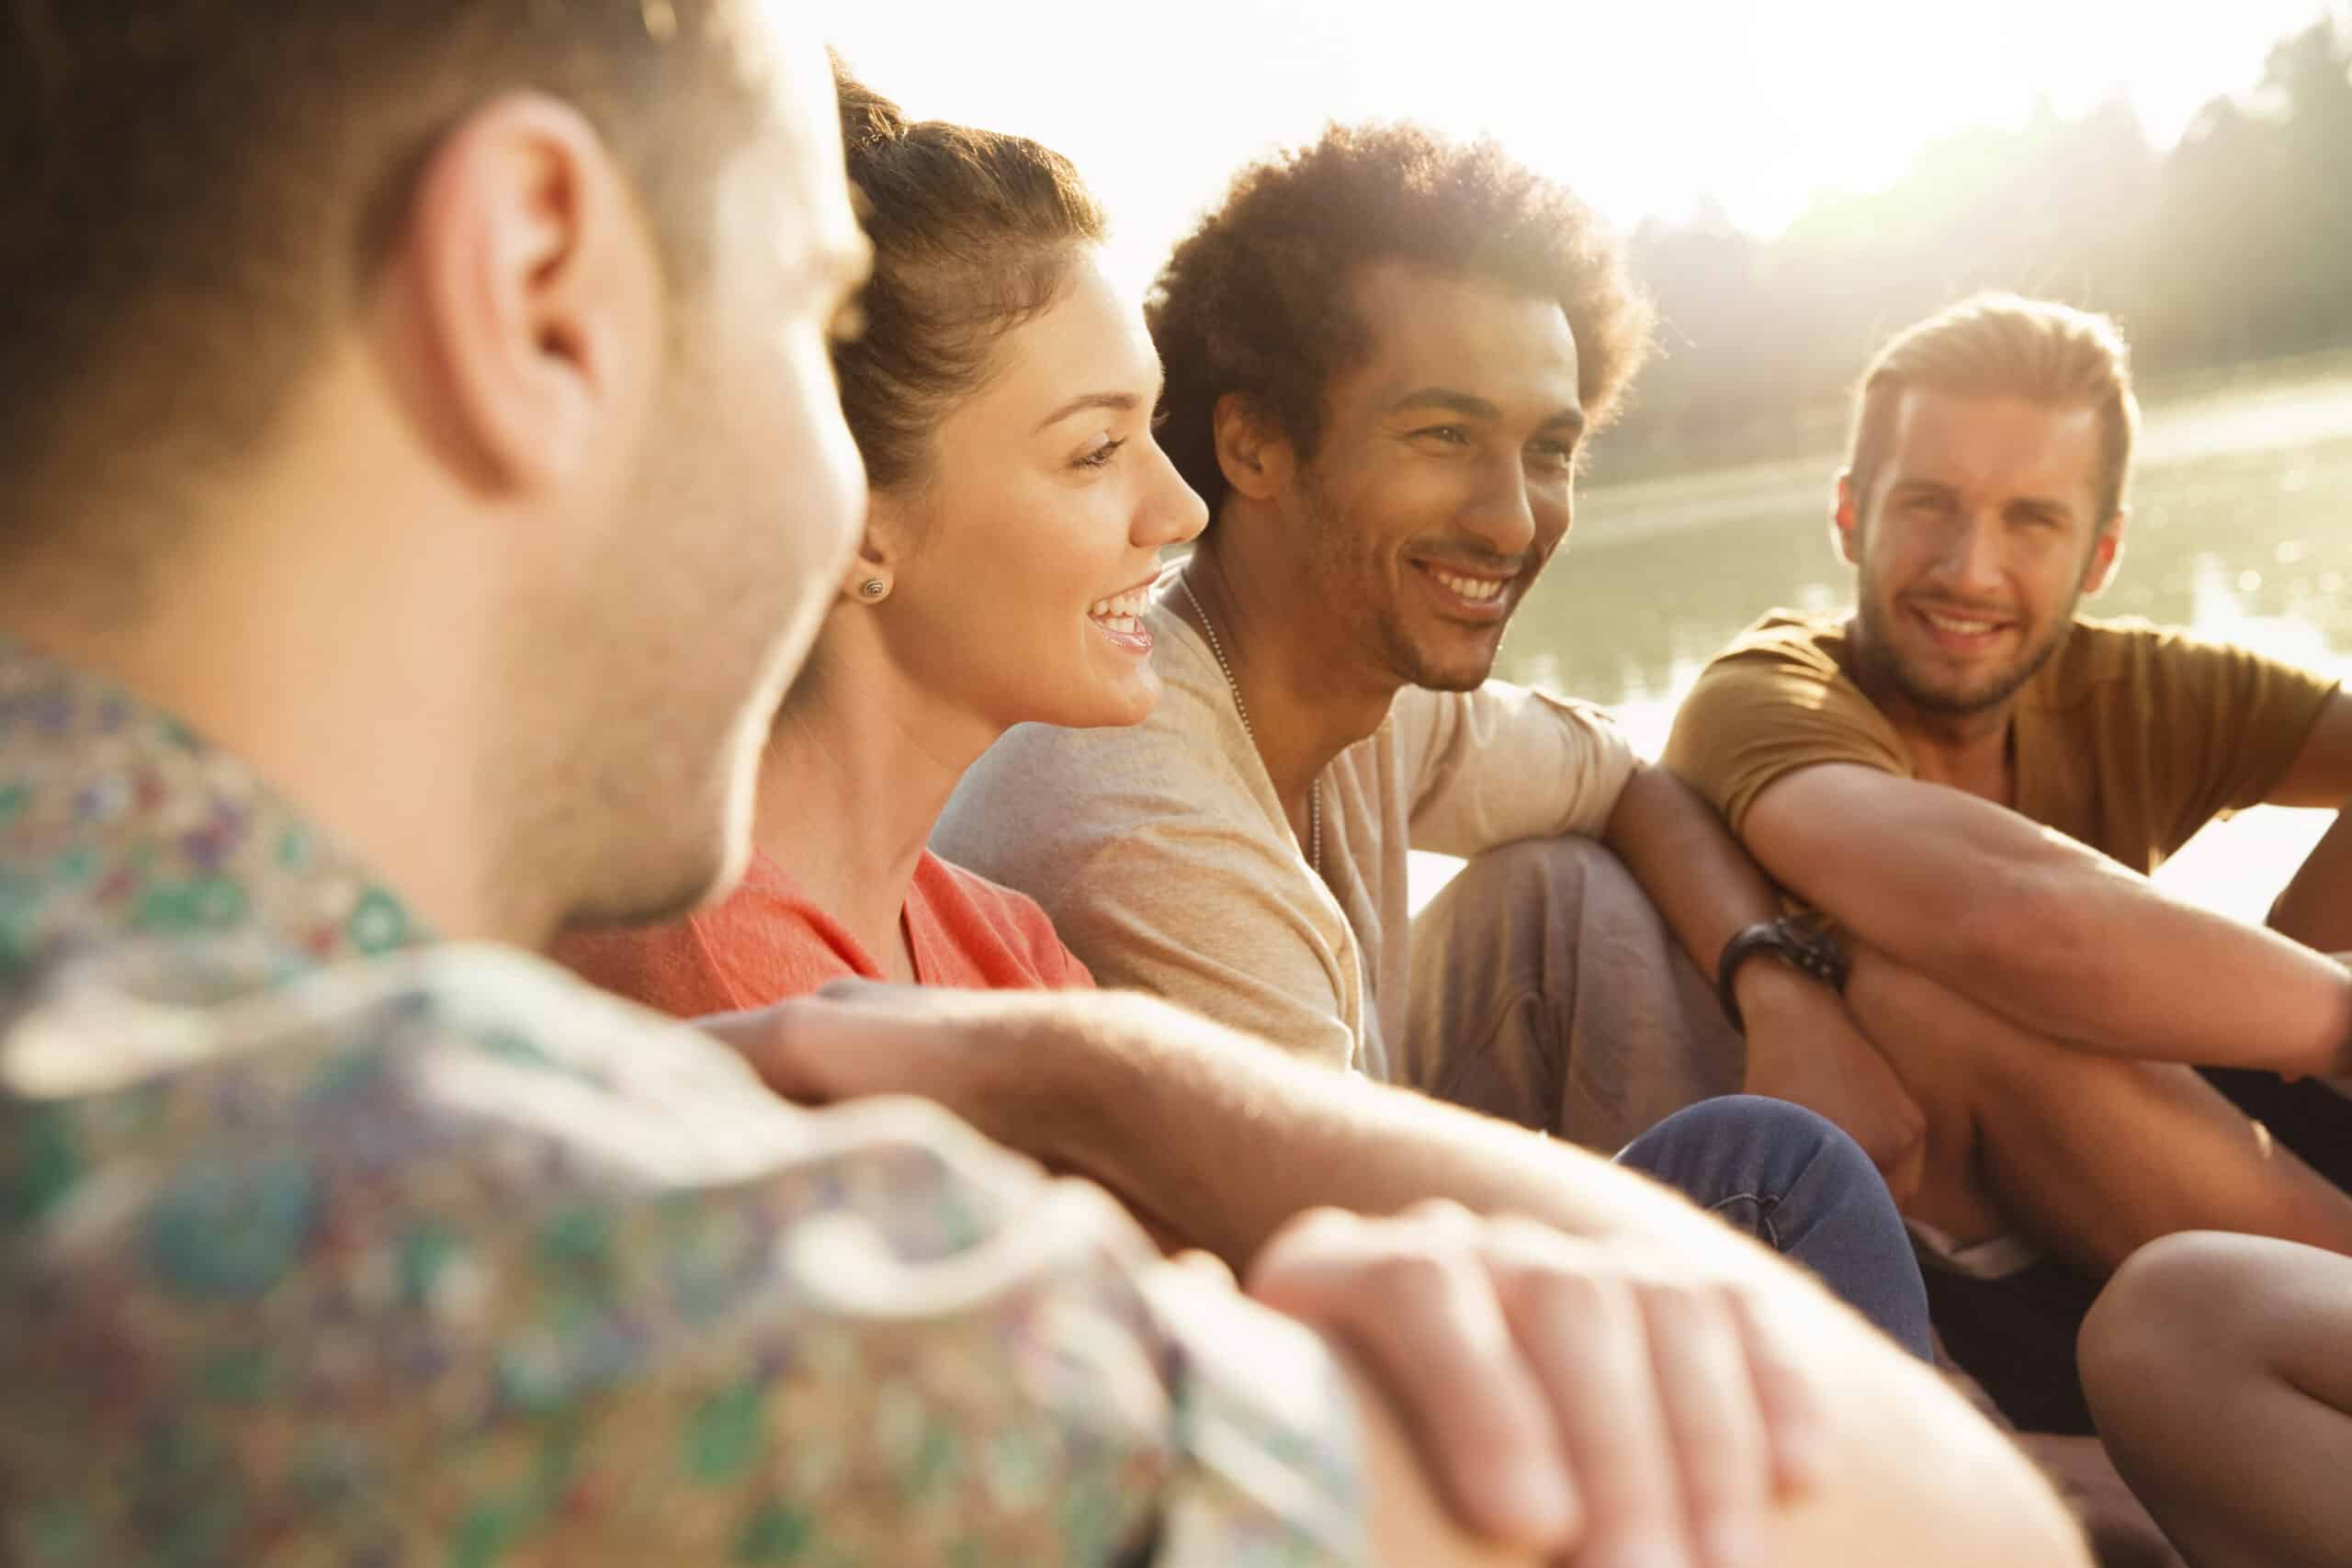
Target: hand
pixel 1603 1399
pixel 1803 1047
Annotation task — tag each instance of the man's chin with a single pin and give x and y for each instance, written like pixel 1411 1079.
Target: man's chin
pixel 693 878
pixel 1963 701
pixel 1437 675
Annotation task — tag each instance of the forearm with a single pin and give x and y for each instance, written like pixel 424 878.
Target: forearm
pixel 1688 864
pixel 2108 961
pixel 2054 935
pixel 2317 906
pixel 1189 1119
pixel 1239 1139
pixel 1801 1045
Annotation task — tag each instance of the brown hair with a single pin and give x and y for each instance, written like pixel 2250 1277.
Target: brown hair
pixel 2001 346
pixel 192 191
pixel 1253 302
pixel 974 233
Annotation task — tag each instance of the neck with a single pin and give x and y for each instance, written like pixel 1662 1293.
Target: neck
pixel 226 631
pixel 1967 751
pixel 856 772
pixel 1305 706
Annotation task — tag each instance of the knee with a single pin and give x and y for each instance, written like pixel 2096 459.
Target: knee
pixel 2173 1314
pixel 1773 1138
pixel 1755 1119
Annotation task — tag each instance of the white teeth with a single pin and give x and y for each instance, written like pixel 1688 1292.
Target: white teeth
pixel 1959 628
pixel 1126 606
pixel 1475 588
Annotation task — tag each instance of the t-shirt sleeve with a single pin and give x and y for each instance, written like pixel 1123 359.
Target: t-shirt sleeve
pixel 2226 723
pixel 449 1257
pixel 1214 919
pixel 1057 966
pixel 1503 764
pixel 1765 710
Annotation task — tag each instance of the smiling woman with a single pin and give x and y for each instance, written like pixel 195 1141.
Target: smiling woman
pixel 1002 395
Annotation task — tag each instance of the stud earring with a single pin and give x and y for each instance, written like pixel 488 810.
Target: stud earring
pixel 874 588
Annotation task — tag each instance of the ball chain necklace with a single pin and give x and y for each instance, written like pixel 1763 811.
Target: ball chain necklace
pixel 1314 790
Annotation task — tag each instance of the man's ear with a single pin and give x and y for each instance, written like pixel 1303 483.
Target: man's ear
pixel 1844 527
pixel 1256 460
pixel 2107 555
pixel 532 295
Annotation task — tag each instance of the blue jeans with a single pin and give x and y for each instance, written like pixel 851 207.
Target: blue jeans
pixel 1804 1188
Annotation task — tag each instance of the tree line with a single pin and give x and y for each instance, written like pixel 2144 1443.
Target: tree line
pixel 2233 246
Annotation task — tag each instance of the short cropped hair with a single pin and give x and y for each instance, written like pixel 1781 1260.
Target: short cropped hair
pixel 1255 301
pixel 2003 345
pixel 975 231
pixel 192 191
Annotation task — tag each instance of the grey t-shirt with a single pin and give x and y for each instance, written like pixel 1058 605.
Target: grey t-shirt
pixel 1164 858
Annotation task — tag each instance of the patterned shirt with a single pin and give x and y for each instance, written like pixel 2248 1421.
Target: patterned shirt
pixel 323 1243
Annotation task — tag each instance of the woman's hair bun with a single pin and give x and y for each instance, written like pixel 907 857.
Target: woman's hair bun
pixel 867 118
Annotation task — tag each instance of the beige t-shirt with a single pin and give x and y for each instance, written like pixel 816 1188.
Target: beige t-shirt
pixel 1163 856
pixel 2129 740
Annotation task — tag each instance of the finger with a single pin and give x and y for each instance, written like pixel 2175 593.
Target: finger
pixel 801 1047
pixel 1715 1431
pixel 1796 1427
pixel 1903 1181
pixel 1423 1319
pixel 1584 1337
pixel 1205 1266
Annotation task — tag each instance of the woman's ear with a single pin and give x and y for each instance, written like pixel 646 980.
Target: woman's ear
pixel 882 551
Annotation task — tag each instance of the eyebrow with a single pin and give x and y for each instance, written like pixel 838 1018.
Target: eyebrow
pixel 1944 490
pixel 1118 403
pixel 1470 406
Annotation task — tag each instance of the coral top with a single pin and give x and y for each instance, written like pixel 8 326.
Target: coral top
pixel 767 941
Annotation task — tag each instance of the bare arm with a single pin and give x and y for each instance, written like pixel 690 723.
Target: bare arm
pixel 2321 774
pixel 1240 1139
pixel 1909 1472
pixel 1802 1044
pixel 2317 906
pixel 1692 869
pixel 2054 936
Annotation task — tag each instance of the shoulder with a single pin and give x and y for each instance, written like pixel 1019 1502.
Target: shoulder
pixel 1043 799
pixel 2103 656
pixel 1787 667
pixel 1784 646
pixel 965 900
pixel 1777 700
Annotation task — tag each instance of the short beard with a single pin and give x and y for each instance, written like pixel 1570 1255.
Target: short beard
pixel 1391 648
pixel 1884 667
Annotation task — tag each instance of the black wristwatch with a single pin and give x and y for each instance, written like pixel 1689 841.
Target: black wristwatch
pixel 1804 942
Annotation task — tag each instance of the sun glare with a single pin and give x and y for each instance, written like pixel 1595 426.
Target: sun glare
pixel 1657 109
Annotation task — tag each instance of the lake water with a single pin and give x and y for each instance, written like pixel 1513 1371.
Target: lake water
pixel 2240 496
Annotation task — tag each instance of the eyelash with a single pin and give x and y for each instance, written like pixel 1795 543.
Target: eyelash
pixel 1100 457
pixel 1557 452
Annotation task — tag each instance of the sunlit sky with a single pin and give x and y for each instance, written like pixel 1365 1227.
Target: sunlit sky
pixel 1647 106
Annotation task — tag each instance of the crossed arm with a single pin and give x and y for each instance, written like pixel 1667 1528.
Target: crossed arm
pixel 1803 1043
pixel 2055 937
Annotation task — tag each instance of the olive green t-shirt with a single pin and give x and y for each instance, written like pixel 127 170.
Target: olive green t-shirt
pixel 2129 740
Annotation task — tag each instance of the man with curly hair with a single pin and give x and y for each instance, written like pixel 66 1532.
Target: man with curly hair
pixel 1384 355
